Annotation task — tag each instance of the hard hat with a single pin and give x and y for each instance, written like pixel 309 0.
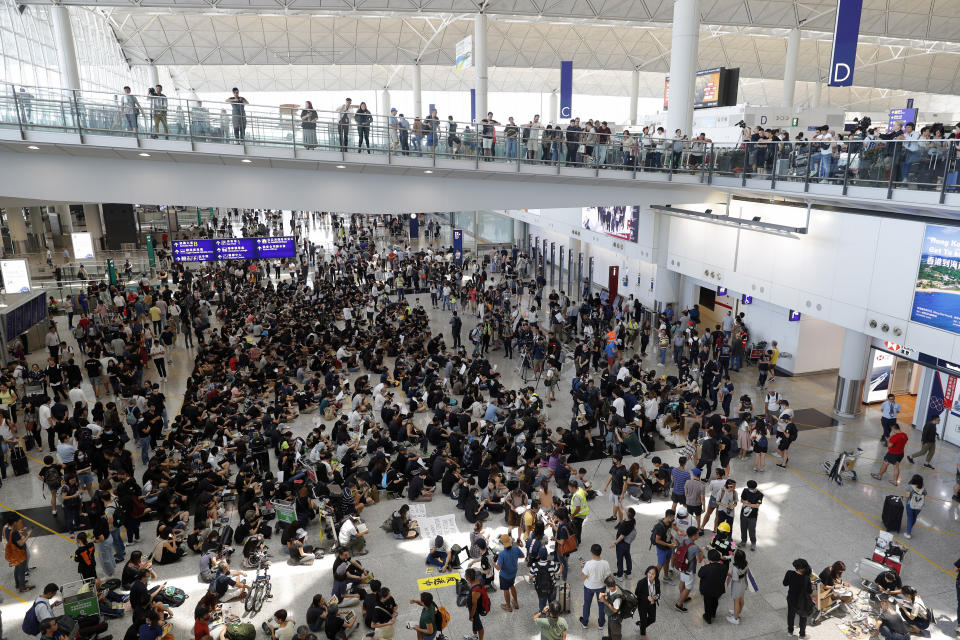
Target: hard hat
pixel 724 527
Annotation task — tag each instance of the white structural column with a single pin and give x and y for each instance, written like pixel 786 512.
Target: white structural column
pixel 385 101
pixel 91 213
pixel 683 65
pixel 790 69
pixel 417 92
pixel 480 63
pixel 853 371
pixel 634 95
pixel 18 229
pixel 37 226
pixel 66 49
pixel 66 220
pixel 815 102
pixel 154 75
pixel 554 106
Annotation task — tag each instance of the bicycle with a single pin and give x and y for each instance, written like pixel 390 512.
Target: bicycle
pixel 262 588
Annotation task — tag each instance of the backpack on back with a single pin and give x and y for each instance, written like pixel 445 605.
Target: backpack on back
pixel 680 562
pixel 543 582
pixel 443 618
pixel 483 604
pixel 31 626
pixel 628 604
pixel 463 593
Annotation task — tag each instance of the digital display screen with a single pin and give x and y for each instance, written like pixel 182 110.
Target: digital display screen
pixel 236 248
pixel 936 297
pixel 706 92
pixel 794 316
pixel 277 247
pixel 194 251
pixel 619 221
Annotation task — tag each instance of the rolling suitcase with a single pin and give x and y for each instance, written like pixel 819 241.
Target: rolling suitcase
pixel 892 513
pixel 563 597
pixel 18 460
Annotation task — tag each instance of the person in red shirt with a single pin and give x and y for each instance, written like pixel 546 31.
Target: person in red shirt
pixel 201 625
pixel 896 444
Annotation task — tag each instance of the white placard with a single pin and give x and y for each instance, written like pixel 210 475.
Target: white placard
pixel 444 526
pixel 16 276
pixel 418 510
pixel 82 245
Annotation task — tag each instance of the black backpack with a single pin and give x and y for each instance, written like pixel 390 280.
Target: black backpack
pixel 543 582
pixel 463 593
pixel 628 604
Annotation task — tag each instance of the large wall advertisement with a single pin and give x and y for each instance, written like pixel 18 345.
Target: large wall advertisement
pixel 620 221
pixel 936 300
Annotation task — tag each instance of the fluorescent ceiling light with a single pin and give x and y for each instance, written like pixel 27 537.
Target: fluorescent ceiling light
pixel 428 171
pixel 340 166
pixel 33 147
pixel 144 155
pixel 246 161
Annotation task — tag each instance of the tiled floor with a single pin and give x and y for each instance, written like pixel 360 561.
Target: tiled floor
pixel 803 515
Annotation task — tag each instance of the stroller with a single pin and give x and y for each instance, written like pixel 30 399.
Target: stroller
pixel 842 468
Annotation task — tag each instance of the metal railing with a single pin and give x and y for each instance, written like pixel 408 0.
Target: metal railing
pixel 925 164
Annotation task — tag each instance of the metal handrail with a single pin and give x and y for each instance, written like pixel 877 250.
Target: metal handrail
pixel 844 163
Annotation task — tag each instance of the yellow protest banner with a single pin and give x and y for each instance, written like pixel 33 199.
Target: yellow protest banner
pixel 438 582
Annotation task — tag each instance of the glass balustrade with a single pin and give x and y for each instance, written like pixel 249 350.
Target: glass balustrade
pixel 895 165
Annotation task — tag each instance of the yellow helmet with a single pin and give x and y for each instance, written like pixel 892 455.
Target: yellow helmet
pixel 724 527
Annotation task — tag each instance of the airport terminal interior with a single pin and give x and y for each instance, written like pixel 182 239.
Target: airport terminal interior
pixel 403 319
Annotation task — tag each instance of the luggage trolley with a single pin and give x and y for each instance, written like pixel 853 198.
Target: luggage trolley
pixel 842 467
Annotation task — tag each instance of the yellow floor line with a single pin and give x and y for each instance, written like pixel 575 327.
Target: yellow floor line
pixel 903 465
pixel 42 526
pixel 12 593
pixel 879 519
pixel 868 521
pixel 888 486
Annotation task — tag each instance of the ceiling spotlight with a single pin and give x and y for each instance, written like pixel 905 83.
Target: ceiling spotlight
pixel 340 166
pixel 144 155
pixel 33 147
pixel 246 161
pixel 428 171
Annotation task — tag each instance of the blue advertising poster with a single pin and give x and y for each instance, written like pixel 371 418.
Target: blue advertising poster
pixel 414 226
pixel 458 245
pixel 902 116
pixel 846 30
pixel 276 247
pixel 194 251
pixel 936 300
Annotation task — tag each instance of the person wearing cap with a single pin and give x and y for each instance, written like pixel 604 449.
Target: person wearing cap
pixel 299 552
pixel 610 599
pixel 507 564
pixel 393 124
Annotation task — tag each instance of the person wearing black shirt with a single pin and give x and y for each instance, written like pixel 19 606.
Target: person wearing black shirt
pixel 618 474
pixel 799 588
pixel 572 135
pixel 712 577
pixel 625 534
pixel 750 499
pixel 890 625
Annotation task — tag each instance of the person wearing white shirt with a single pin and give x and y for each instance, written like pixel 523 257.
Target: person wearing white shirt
pixel 594 572
pixel 352 538
pixel 911 149
pixel 889 411
pixel 76 395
